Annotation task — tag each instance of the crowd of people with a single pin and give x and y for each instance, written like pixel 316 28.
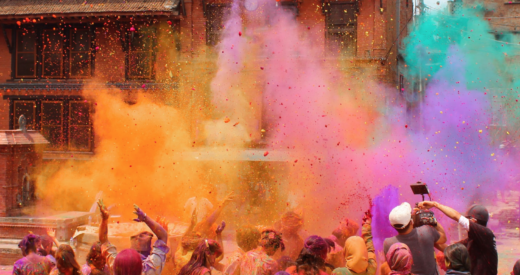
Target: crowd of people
pixel 278 250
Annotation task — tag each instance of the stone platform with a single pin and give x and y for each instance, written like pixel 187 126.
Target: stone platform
pixel 65 225
pixel 13 229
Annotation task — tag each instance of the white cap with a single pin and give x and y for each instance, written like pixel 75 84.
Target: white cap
pixel 401 214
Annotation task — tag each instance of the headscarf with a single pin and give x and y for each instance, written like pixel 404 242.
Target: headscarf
pixel 291 221
pixel 346 228
pixel 516 268
pixel 399 259
pixel 356 254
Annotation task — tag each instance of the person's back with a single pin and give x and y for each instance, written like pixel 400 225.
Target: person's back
pixel 32 265
pixel 421 242
pixel 481 245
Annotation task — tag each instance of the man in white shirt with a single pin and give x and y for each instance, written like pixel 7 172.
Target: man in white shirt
pixel 481 242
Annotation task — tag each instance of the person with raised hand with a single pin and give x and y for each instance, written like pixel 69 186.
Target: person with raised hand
pixel 198 231
pixel 480 243
pixel 151 260
pixel 96 260
pixel 46 249
pixel 360 252
pixel 204 258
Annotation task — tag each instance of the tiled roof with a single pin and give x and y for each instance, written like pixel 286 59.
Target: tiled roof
pixel 28 7
pixel 17 137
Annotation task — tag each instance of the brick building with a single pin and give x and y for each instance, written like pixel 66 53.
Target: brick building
pixel 51 50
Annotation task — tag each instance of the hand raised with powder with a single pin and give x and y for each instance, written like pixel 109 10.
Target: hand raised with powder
pixel 229 198
pixel 141 216
pixel 367 219
pixel 221 228
pixel 103 210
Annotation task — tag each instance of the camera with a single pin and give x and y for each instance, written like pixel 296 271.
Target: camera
pixel 422 217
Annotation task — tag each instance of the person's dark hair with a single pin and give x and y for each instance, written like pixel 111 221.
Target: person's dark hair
pixel 65 258
pixel 248 238
pixel 128 262
pixel 94 252
pixel 271 238
pixel 309 263
pixel 200 256
pixel 331 244
pixel 46 243
pixel 458 257
pixel 516 268
pixel 403 230
pixel 317 246
pixel 480 213
pixel 29 244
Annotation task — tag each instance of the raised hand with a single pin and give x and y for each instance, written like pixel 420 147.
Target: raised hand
pixel 426 204
pixel 229 198
pixel 221 228
pixel 141 216
pixel 51 232
pixel 103 210
pixel 368 217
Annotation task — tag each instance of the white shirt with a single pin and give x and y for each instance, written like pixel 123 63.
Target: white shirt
pixel 202 205
pixel 464 222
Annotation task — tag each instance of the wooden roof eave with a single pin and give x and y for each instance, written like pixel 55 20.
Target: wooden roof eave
pixel 12 18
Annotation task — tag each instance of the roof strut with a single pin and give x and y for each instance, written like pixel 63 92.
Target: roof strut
pixel 9 46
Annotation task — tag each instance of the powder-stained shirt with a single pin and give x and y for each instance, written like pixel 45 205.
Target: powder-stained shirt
pixel 257 262
pixel 34 266
pixel 152 265
pixel 482 248
pixel 421 241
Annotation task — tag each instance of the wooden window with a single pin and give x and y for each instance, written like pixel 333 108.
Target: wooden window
pixel 215 14
pixel 141 53
pixel 341 24
pixel 80 128
pixel 52 54
pixel 26 53
pixel 80 53
pixel 28 109
pixel 52 123
pixel 64 122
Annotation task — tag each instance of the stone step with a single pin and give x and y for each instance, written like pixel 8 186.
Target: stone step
pixel 9 253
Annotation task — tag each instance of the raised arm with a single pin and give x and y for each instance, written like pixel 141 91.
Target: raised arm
pixel 214 216
pixel 103 226
pixel 442 239
pixel 156 228
pixel 448 211
pixel 52 234
pixel 219 230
